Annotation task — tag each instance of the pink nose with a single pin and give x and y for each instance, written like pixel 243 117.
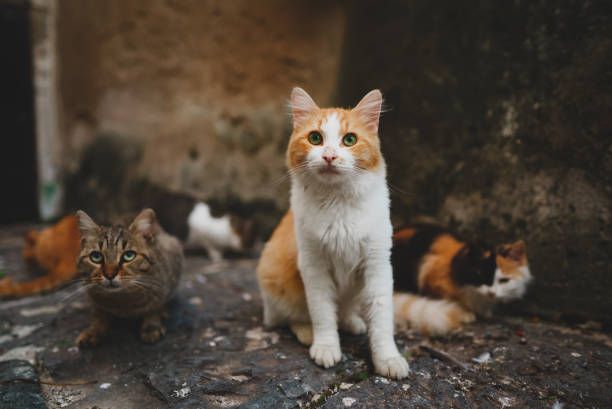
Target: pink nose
pixel 329 158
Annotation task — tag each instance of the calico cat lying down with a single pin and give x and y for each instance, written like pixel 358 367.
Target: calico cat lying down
pixel 55 248
pixel 130 272
pixel 455 280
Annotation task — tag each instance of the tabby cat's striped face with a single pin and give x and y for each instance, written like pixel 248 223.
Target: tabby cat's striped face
pixel 116 257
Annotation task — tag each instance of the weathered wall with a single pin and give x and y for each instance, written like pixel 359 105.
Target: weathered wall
pixel 500 124
pixel 199 87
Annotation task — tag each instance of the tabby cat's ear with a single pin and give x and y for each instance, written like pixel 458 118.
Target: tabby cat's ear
pixel 87 226
pixel 145 224
pixel 369 109
pixel 302 106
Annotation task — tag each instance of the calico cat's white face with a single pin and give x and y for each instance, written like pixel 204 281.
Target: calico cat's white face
pixel 508 287
pixel 512 275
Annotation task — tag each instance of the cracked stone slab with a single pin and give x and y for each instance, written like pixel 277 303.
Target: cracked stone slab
pixel 217 354
pixel 19 387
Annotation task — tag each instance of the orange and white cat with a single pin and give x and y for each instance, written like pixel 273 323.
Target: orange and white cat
pixel 328 262
pixel 53 249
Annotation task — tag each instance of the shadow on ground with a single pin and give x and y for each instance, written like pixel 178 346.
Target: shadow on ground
pixel 216 354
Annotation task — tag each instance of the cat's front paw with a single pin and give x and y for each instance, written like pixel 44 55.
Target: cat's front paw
pixel 395 367
pixel 326 355
pixel 152 333
pixel 89 338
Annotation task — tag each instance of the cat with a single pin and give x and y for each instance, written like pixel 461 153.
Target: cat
pixel 130 272
pixel 53 249
pixel 211 226
pixel 328 261
pixel 455 280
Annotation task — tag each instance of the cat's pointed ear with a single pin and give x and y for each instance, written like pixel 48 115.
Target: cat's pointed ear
pixel 517 251
pixel 302 105
pixel 514 251
pixel 145 224
pixel 87 226
pixel 369 109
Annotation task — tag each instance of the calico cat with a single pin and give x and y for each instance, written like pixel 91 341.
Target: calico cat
pixel 328 261
pixel 55 250
pixel 461 279
pixel 130 272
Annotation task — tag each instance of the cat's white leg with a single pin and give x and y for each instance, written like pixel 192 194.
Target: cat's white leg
pixel 214 253
pixel 378 293
pixel 321 300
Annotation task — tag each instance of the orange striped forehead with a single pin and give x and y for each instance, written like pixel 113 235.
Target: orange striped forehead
pixel 333 124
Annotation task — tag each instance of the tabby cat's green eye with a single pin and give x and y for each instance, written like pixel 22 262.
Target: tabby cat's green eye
pixel 349 139
pixel 96 257
pixel 128 256
pixel 315 138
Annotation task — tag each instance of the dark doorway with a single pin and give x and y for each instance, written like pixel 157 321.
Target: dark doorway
pixel 18 175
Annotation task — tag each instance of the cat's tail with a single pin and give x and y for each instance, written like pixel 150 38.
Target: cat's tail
pixel 429 316
pixel 60 276
pixel 11 289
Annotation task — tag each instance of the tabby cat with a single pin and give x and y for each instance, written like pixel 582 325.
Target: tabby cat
pixel 455 279
pixel 130 272
pixel 55 250
pixel 328 261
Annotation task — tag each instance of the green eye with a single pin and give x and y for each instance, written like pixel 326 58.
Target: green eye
pixel 315 138
pixel 128 256
pixel 349 139
pixel 96 257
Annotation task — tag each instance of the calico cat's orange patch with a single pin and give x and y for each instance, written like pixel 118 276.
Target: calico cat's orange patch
pixel 277 270
pixel 404 234
pixel 510 257
pixel 55 250
pixel 433 276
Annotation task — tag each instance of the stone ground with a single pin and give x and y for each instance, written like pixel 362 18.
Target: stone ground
pixel 216 354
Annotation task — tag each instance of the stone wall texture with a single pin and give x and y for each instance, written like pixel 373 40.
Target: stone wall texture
pixel 200 86
pixel 498 118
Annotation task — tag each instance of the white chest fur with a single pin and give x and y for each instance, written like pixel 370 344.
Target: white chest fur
pixel 345 223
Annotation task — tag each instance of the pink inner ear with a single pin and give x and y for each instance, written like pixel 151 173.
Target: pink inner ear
pixel 369 109
pixel 302 105
pixel 145 223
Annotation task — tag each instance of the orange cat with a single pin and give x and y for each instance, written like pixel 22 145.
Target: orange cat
pixel 327 264
pixel 55 250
